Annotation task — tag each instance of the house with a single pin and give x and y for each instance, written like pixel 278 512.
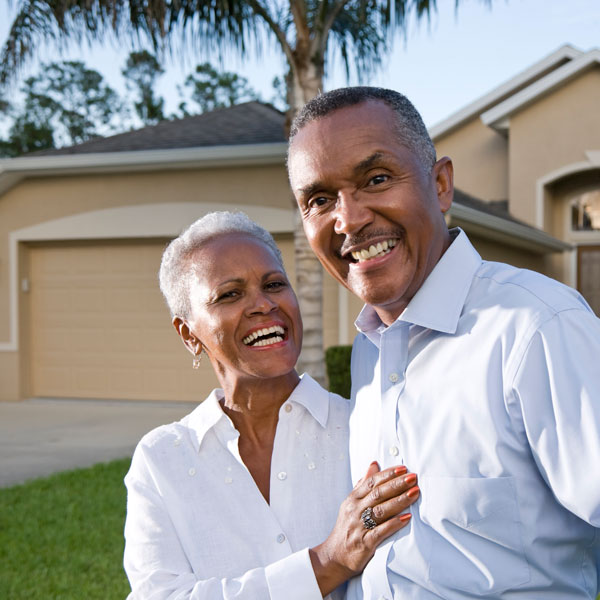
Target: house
pixel 82 228
pixel 532 147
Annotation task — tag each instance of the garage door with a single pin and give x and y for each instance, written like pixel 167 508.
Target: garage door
pixel 99 327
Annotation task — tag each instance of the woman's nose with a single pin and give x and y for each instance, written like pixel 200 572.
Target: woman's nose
pixel 261 303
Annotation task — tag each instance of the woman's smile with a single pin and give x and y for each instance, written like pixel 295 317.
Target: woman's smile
pixel 251 310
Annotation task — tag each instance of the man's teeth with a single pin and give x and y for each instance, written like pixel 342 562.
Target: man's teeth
pixel 262 332
pixel 375 250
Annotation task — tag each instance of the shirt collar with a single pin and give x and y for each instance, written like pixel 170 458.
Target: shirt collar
pixel 205 416
pixel 313 397
pixel 439 302
pixel 308 393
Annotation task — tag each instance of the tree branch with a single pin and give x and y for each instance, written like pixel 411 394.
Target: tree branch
pixel 261 11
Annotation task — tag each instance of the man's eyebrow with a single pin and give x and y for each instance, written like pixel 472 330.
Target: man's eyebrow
pixel 368 162
pixel 309 190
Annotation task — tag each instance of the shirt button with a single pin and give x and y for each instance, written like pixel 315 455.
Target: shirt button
pixel 393 377
pixel 394 451
pixel 311 466
pixel 192 472
pixel 288 408
pixel 282 475
pixel 177 442
pixel 228 480
pixel 280 538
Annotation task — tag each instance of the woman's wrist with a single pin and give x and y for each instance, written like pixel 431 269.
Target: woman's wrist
pixel 329 573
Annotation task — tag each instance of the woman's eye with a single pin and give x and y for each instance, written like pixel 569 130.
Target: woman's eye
pixel 228 295
pixel 378 179
pixel 275 285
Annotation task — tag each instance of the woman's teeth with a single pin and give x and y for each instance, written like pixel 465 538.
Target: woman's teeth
pixel 379 249
pixel 276 329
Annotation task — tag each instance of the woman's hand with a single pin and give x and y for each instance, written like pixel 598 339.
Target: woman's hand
pixel 351 545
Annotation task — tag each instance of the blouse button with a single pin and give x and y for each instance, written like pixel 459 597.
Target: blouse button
pixel 280 538
pixel 288 408
pixel 394 377
pixel 394 451
pixel 311 466
pixel 282 475
pixel 192 472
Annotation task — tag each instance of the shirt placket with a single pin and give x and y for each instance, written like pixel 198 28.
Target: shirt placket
pixel 394 357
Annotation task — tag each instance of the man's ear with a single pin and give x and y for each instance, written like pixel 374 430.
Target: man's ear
pixel 191 342
pixel 443 172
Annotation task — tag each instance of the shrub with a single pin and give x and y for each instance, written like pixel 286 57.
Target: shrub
pixel 337 360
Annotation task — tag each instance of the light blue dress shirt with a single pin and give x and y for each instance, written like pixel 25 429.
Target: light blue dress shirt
pixel 488 387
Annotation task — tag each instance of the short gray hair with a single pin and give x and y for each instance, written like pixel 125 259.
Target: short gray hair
pixel 409 124
pixel 176 267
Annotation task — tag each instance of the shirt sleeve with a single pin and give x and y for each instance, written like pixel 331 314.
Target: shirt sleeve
pixel 558 387
pixel 157 566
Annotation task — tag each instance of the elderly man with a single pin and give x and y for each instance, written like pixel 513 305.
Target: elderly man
pixel 481 377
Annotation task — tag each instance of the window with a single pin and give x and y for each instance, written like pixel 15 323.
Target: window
pixel 585 212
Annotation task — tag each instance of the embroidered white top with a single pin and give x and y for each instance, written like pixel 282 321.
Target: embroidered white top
pixel 198 527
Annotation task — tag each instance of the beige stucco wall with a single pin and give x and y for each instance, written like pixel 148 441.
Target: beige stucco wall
pixel 39 200
pixel 479 155
pixel 499 252
pixel 552 133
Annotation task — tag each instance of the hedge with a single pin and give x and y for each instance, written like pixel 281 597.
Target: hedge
pixel 337 360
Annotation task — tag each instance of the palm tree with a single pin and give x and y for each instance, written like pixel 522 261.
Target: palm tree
pixel 307 31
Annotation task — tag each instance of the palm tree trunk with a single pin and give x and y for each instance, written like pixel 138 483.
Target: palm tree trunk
pixel 305 82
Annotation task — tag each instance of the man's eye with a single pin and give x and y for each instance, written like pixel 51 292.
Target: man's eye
pixel 316 202
pixel 378 179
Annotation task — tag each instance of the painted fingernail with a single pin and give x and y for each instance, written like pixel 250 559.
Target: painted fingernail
pixel 404 518
pixel 410 479
pixel 400 470
pixel 413 492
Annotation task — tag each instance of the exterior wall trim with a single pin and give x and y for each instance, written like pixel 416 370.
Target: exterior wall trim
pixel 497 117
pixel 592 163
pixel 473 109
pixel 13 170
pixel 139 222
pixel 503 230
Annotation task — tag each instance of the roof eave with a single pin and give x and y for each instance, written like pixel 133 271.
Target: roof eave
pixel 475 108
pixel 498 116
pixel 13 170
pixel 505 231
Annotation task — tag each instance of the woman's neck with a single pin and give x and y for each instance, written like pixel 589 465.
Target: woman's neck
pixel 253 407
pixel 253 404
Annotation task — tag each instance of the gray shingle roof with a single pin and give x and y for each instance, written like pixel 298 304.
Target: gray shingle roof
pixel 248 123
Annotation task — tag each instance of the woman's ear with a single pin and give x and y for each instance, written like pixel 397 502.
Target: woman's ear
pixel 191 342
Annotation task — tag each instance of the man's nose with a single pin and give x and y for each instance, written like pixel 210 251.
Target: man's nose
pixel 350 214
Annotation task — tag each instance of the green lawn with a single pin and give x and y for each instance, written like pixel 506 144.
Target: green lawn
pixel 62 537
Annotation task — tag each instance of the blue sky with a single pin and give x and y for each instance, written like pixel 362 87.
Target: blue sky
pixel 441 65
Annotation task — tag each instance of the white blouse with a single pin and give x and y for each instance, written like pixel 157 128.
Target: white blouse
pixel 198 527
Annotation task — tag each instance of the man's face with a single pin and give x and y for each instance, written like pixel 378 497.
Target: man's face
pixel 372 212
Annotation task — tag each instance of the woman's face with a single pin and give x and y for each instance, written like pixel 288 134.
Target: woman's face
pixel 243 309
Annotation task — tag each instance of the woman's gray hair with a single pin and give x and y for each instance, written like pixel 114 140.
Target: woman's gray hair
pixel 176 267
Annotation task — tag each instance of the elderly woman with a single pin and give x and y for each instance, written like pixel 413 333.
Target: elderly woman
pixel 239 499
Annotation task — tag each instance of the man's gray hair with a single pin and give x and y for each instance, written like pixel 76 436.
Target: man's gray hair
pixel 409 124
pixel 177 267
